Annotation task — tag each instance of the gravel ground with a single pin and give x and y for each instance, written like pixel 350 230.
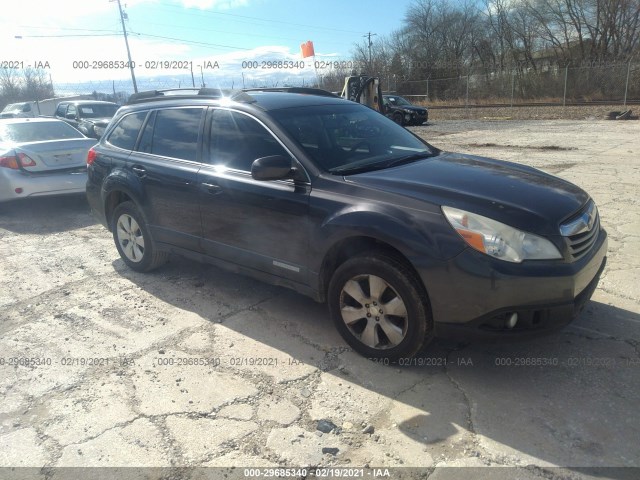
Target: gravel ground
pixel 190 366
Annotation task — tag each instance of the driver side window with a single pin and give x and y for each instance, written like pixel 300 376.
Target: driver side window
pixel 237 140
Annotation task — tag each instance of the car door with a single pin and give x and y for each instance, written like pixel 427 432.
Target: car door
pixel 61 111
pixel 258 224
pixel 71 116
pixel 166 164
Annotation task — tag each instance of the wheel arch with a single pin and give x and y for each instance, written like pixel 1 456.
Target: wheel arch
pixel 117 189
pixel 111 201
pixel 348 247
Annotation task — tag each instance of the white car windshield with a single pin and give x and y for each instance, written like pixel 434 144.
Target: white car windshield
pixel 36 132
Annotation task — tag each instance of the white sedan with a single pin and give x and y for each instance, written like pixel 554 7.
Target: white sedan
pixel 41 156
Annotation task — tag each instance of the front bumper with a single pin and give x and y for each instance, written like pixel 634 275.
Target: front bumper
pixel 477 292
pixel 31 185
pixel 417 119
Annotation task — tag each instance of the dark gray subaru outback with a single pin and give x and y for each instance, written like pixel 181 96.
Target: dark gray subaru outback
pixel 336 201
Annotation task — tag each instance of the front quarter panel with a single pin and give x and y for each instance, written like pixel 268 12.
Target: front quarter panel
pixel 416 229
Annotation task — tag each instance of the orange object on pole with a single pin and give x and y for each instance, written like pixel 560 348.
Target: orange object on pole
pixel 307 49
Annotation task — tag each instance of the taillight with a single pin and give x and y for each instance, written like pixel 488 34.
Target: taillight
pixel 91 156
pixel 26 160
pixel 16 161
pixel 9 162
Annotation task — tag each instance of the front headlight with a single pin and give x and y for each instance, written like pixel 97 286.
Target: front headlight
pixel 499 240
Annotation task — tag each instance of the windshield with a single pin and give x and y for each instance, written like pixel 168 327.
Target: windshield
pixel 15 107
pixel 397 101
pixel 36 132
pixel 98 110
pixel 344 138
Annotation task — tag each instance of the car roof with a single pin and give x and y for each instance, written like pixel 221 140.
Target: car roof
pixel 88 102
pixel 31 120
pixel 264 99
pixel 277 100
pixel 17 104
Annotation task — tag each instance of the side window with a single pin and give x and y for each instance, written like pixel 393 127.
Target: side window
pixel 175 133
pixel 71 110
pixel 237 140
pixel 61 110
pixel 125 134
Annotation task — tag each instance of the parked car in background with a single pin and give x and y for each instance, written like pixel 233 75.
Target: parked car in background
pixel 332 199
pixel 401 111
pixel 20 110
pixel 91 117
pixel 41 156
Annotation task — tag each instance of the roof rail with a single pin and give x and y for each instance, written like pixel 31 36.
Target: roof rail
pixel 305 90
pixel 183 93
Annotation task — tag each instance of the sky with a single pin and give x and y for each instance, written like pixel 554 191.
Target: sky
pixel 227 43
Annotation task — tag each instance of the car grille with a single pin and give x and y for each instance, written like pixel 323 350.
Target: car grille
pixel 581 232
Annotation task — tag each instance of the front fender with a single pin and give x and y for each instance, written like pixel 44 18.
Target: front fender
pixel 416 234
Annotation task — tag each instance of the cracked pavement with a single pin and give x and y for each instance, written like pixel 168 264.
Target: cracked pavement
pixel 192 366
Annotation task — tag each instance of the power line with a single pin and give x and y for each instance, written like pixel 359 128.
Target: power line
pixel 73 35
pixel 67 28
pixel 191 41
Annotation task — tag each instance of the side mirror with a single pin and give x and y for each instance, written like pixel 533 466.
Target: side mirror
pixel 274 167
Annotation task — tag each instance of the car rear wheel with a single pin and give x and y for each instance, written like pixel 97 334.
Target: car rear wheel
pixel 379 307
pixel 133 240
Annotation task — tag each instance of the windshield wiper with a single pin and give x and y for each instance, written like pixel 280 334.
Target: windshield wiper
pixel 394 162
pixel 408 159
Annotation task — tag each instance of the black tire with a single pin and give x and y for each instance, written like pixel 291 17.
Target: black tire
pixel 127 221
pixel 398 118
pixel 417 326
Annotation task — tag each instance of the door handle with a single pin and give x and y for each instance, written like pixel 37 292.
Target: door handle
pixel 211 188
pixel 138 170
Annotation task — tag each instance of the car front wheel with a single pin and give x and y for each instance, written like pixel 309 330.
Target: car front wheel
pixel 379 308
pixel 133 240
pixel 398 118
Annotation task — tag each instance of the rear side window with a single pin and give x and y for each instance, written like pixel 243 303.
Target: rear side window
pixel 125 134
pixel 61 110
pixel 175 133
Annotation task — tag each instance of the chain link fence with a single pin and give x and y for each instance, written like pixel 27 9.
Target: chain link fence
pixel 592 84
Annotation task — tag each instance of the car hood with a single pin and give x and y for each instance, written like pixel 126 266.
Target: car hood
pixel 517 195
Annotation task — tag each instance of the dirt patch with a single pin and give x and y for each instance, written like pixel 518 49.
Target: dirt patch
pixel 527 147
pixel 582 112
